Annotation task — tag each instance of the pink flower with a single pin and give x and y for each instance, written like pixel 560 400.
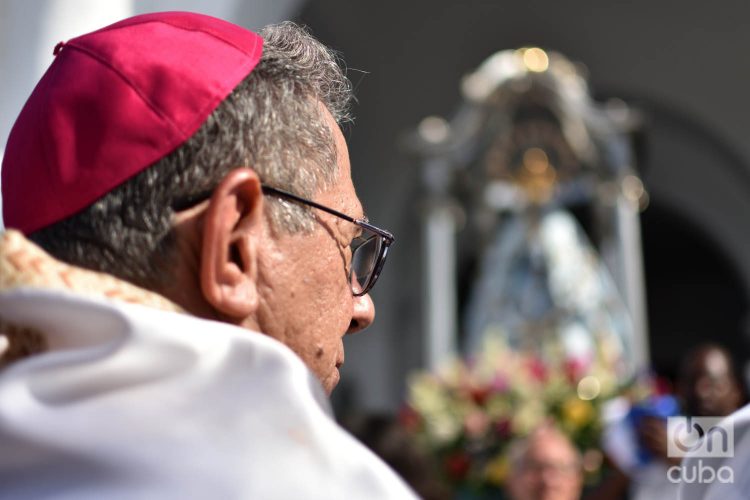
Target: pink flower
pixel 537 369
pixel 476 424
pixel 499 383
pixel 575 368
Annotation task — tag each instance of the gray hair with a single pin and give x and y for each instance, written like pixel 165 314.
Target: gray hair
pixel 272 122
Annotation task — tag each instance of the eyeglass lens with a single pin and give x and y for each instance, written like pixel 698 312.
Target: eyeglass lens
pixel 365 253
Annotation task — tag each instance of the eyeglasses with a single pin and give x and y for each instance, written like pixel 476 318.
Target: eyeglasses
pixel 369 249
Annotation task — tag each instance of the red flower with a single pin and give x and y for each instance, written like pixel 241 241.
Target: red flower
pixel 662 386
pixel 457 465
pixel 480 394
pixel 409 418
pixel 504 428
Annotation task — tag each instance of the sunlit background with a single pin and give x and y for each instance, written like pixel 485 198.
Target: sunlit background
pixel 682 71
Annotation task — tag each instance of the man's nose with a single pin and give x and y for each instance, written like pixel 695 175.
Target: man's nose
pixel 363 314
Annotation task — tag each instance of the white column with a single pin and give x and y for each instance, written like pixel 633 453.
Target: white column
pixel 634 286
pixel 440 285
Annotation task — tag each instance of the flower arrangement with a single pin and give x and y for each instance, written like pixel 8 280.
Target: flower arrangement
pixel 467 413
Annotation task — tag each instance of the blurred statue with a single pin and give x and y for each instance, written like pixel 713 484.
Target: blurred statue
pixel 527 150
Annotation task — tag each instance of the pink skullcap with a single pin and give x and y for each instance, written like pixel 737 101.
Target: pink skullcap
pixel 114 102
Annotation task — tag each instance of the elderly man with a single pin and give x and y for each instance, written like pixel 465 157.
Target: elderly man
pixel 545 466
pixel 182 163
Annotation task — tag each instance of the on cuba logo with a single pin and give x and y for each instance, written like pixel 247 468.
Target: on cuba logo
pixel 700 437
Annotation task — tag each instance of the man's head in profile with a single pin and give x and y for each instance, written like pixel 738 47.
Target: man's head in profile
pixel 203 162
pixel 544 466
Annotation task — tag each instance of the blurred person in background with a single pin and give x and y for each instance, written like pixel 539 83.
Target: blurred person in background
pixel 716 389
pixel 709 382
pixel 191 180
pixel 545 465
pixel 708 385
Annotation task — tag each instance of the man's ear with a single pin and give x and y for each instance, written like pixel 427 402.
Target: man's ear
pixel 232 230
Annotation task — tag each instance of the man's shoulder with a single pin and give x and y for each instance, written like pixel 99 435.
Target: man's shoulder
pixel 162 403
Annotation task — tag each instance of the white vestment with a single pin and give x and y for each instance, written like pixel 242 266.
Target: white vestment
pixel 135 402
pixel 720 477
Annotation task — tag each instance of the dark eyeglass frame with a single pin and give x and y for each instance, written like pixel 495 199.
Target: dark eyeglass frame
pixel 386 238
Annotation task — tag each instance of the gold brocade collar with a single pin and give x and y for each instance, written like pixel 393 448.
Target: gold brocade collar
pixel 23 264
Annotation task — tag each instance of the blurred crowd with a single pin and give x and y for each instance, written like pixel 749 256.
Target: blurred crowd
pixel 546 464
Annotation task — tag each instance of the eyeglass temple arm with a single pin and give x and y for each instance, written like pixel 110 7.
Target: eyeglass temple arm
pixel 285 194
